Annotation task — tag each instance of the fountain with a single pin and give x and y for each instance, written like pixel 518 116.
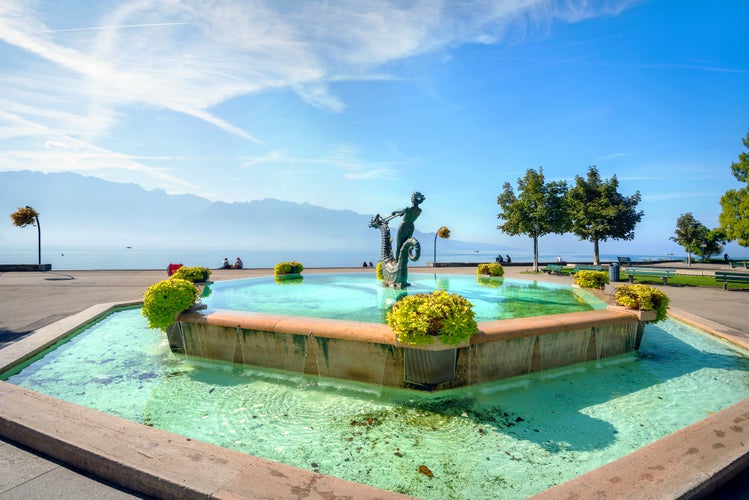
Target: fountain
pixel 516 437
pixel 358 350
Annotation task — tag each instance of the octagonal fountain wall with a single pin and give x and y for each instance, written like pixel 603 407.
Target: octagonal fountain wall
pixel 369 352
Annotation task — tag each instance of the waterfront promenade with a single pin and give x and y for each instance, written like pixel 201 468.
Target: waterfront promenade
pixel 32 300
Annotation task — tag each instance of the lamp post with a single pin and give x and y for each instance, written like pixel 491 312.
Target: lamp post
pixel 442 232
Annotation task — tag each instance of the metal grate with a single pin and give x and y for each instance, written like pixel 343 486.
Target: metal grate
pixel 429 367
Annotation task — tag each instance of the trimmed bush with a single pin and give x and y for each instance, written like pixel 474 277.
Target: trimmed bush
pixel 490 269
pixel 196 274
pixel 291 267
pixel 591 279
pixel 163 300
pixel 644 298
pixel 418 319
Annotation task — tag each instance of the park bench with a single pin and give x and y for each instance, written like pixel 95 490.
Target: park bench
pixel 731 277
pixel 739 263
pixel 624 260
pixel 586 267
pixel 663 274
pixel 553 268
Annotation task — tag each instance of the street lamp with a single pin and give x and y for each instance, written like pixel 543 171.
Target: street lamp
pixel 442 232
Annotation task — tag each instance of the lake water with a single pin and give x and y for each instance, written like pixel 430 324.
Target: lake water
pixel 150 258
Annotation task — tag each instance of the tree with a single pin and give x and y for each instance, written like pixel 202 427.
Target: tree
pixel 28 216
pixel 598 211
pixel 442 232
pixel 538 209
pixel 689 233
pixel 734 216
pixel 712 243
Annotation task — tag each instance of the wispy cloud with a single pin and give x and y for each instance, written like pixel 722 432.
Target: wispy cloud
pixel 680 195
pixel 344 158
pixel 123 26
pixel 611 156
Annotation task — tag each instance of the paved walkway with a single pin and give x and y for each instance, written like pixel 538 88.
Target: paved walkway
pixel 31 300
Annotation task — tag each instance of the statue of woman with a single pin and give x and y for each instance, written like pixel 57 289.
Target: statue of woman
pixel 410 214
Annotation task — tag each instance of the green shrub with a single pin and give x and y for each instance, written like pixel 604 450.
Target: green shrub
pixel 378 271
pixel 163 300
pixel 490 269
pixel 291 267
pixel 644 298
pixel 419 318
pixel 591 279
pixel 195 274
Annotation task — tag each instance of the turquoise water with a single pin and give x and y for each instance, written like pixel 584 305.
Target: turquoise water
pixel 505 439
pixel 361 297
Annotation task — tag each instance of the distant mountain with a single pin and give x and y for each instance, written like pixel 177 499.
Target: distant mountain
pixel 90 212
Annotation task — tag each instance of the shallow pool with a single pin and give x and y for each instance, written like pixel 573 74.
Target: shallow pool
pixel 361 297
pixel 505 439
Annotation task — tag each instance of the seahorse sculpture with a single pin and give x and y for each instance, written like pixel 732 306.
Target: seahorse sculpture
pixel 395 265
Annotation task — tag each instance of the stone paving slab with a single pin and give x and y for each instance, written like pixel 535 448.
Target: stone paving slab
pixel 29 475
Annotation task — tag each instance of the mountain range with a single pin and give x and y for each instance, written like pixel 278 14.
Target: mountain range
pixel 92 212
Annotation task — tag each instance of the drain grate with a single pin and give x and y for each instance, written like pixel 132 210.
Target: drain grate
pixel 429 367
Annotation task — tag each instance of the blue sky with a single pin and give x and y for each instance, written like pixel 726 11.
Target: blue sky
pixel 354 105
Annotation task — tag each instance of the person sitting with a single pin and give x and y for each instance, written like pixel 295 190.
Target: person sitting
pixel 370 264
pixel 225 264
pixel 508 259
pixel 499 259
pixel 237 264
pixel 364 264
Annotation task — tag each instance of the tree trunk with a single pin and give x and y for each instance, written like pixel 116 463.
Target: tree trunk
pixel 535 254
pixel 595 252
pixel 434 262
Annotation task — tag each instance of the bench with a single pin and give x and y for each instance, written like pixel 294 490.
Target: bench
pixel 553 268
pixel 663 274
pixel 731 277
pixel 624 260
pixel 584 267
pixel 739 263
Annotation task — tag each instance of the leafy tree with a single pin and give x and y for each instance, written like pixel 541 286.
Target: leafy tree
pixel 689 233
pixel 734 217
pixel 712 243
pixel 538 208
pixel 598 211
pixel 28 216
pixel 442 232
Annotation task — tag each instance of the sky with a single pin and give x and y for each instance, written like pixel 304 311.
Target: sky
pixel 355 105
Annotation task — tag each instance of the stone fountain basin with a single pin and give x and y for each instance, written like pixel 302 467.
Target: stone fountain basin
pixel 371 353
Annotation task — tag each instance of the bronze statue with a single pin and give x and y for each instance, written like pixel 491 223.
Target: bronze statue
pixel 395 266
